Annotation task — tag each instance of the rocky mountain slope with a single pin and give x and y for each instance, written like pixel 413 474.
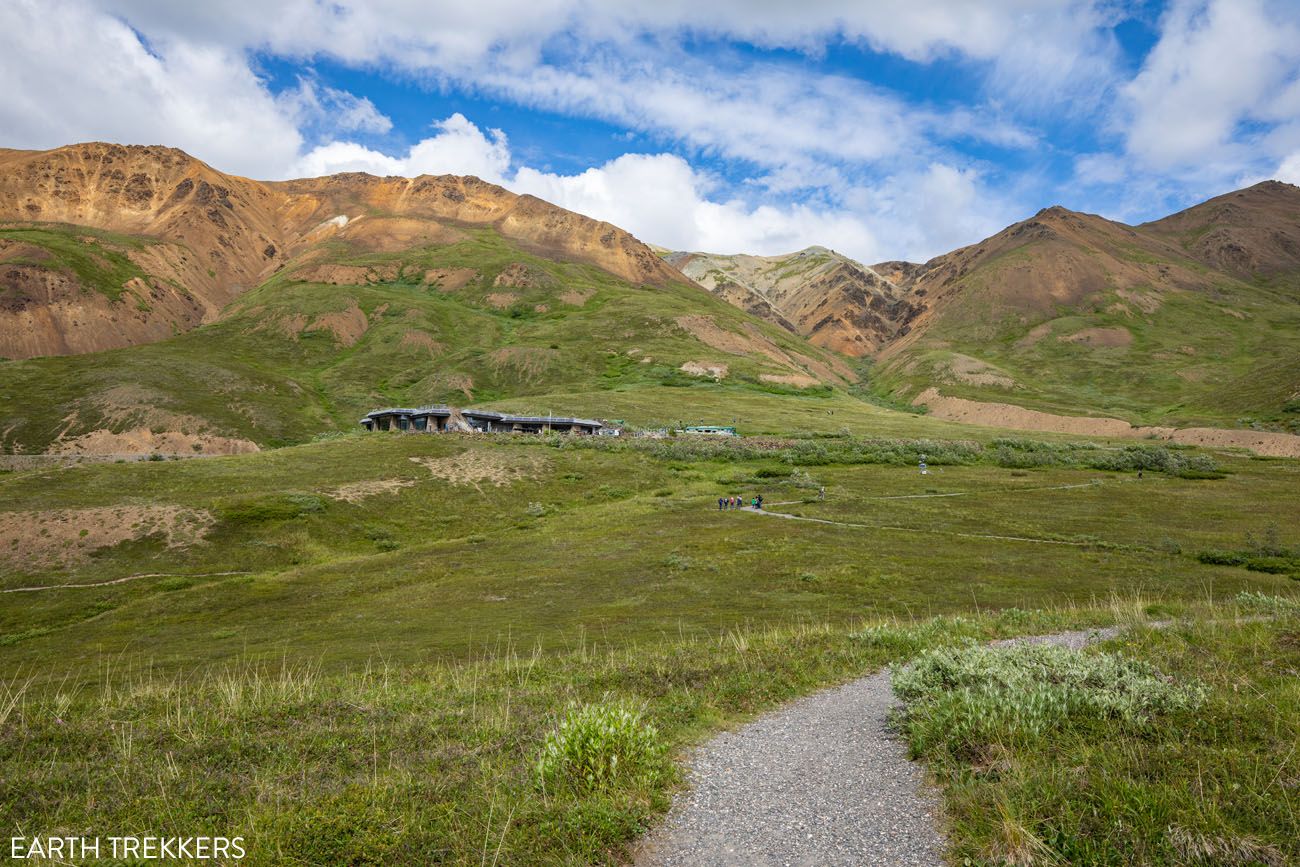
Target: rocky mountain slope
pixel 1193 318
pixel 832 300
pixel 103 246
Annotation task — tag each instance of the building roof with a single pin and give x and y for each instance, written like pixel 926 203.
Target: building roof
pixel 529 419
pixel 440 409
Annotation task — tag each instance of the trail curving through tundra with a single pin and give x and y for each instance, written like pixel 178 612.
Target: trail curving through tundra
pixel 822 781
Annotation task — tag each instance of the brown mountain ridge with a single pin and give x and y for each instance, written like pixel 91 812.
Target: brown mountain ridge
pixel 103 245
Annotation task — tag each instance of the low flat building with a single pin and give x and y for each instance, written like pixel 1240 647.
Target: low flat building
pixel 440 418
pixel 424 418
pixel 502 422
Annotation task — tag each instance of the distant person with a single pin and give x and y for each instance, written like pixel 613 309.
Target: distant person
pixel 721 502
pixel 758 501
pixel 1139 472
pixel 821 493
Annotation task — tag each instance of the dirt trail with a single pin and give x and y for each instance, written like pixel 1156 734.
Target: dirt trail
pixel 1006 415
pixel 820 781
pixel 123 580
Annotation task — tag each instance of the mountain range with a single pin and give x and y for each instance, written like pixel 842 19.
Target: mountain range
pixel 149 302
pixel 1189 319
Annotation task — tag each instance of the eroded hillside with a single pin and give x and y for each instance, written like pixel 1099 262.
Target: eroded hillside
pixel 835 302
pixel 104 246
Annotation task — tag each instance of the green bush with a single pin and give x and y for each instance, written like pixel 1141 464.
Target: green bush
pixel 275 507
pixel 598 744
pixel 1262 602
pixel 959 700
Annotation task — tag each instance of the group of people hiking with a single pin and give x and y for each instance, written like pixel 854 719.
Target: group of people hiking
pixel 726 504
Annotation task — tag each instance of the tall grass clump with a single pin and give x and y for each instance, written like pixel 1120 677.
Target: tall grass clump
pixel 960 700
pixel 595 745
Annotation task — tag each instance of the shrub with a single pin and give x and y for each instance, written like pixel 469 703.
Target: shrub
pixel 1278 605
pixel 282 507
pixel 1222 558
pixel 909 639
pixel 961 699
pixel 598 744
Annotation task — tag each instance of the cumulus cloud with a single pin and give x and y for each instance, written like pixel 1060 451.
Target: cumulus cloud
pixel 1218 65
pixel 459 148
pixel 661 198
pixel 74 74
pixel 1289 170
pixel 312 104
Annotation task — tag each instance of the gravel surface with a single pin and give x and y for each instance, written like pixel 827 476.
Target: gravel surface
pixel 821 781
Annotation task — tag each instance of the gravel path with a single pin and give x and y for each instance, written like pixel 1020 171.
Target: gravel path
pixel 821 781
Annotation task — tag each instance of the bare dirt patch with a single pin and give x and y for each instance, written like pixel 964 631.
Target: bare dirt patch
pixel 795 379
pixel 753 342
pixel 347 326
pixel 576 297
pixel 715 369
pixel 475 468
pixel 1147 302
pixel 421 340
pixel 1005 415
pixel 358 491
pixel 521 276
pixel 131 420
pixel 449 279
pixel 501 300
pixel 1108 338
pixel 964 368
pixel 1037 333
pixel 68 536
pixel 442 381
pixel 145 441
pixel 395 234
pixel 349 275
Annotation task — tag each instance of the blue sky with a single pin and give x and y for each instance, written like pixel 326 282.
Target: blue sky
pixel 886 129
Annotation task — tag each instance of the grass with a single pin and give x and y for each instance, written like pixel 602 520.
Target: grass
pixel 1165 746
pixel 97 258
pixel 493 759
pixel 431 567
pixel 1223 357
pixel 445 668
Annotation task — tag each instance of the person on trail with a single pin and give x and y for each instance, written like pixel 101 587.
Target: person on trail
pixel 760 501
pixel 721 501
pixel 821 492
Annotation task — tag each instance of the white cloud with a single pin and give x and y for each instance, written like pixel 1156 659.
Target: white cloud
pixel 72 74
pixel 1218 65
pixel 314 105
pixel 459 148
pixel 1289 170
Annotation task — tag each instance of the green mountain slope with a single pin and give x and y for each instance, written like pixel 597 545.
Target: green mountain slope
pixel 1070 313
pixel 343 330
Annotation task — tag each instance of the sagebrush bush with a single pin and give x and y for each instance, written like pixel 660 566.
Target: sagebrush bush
pixel 1276 605
pixel 959 699
pixel 597 744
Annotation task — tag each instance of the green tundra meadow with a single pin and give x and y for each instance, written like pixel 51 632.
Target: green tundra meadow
pixel 386 648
